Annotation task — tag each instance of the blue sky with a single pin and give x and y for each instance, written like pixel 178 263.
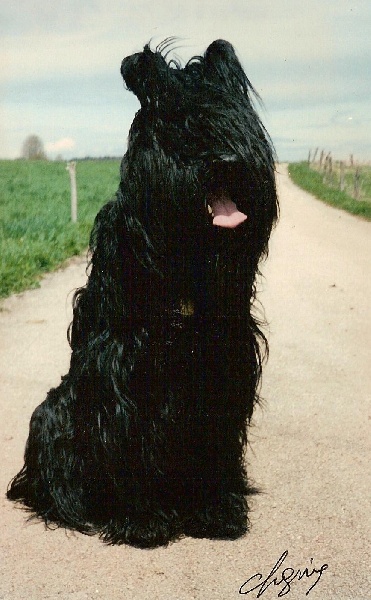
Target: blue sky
pixel 60 77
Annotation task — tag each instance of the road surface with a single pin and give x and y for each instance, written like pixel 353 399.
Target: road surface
pixel 310 449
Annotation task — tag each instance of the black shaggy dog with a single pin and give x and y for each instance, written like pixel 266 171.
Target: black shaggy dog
pixel 143 440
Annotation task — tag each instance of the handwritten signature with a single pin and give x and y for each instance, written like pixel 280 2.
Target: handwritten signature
pixel 285 578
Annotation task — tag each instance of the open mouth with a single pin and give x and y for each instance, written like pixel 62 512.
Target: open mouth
pixel 224 211
pixel 223 188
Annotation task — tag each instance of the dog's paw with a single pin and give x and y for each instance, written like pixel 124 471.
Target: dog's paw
pixel 144 530
pixel 226 519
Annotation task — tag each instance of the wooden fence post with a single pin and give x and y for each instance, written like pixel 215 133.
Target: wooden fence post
pixel 321 159
pixel 71 168
pixel 357 183
pixel 327 168
pixel 342 176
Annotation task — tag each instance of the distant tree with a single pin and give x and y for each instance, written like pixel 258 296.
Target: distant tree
pixel 33 148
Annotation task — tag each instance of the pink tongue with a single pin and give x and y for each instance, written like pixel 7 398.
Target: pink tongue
pixel 226 213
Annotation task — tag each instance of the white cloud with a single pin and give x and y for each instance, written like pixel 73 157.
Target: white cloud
pixel 61 64
pixel 60 145
pixel 84 38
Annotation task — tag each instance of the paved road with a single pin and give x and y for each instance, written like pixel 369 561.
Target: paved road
pixel 310 447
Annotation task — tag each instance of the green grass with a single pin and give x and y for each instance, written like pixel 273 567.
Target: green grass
pixel 36 233
pixel 312 181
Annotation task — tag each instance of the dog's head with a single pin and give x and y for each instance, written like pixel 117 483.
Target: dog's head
pixel 198 157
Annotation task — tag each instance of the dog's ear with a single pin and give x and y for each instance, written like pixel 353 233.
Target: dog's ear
pixel 223 68
pixel 145 74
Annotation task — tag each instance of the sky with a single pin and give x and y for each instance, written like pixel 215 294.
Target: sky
pixel 60 77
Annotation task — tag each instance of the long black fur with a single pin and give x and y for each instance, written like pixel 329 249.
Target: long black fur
pixel 143 440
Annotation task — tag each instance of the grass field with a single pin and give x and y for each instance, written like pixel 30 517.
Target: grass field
pixel 311 180
pixel 36 233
